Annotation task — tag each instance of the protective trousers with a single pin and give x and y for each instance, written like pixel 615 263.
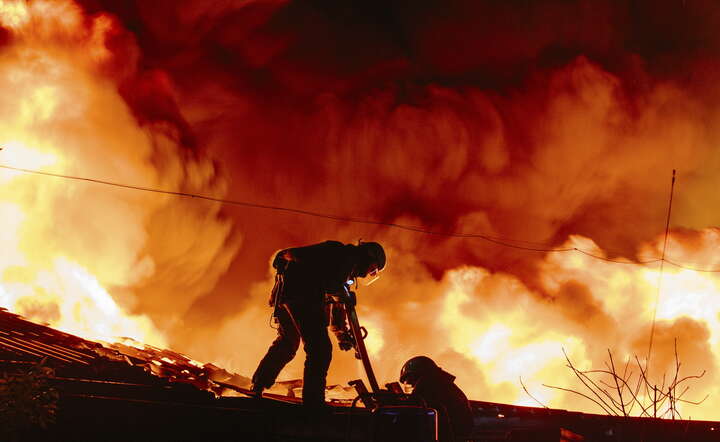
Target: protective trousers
pixel 309 323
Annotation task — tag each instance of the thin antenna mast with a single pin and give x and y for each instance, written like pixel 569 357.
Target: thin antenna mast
pixel 662 265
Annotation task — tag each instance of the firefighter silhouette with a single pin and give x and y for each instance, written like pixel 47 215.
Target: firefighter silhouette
pixel 435 388
pixel 304 310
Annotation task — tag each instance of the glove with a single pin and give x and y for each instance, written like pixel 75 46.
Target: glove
pixel 345 340
pixel 352 299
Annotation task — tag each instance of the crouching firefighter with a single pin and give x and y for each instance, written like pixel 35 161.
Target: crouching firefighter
pixel 308 282
pixel 435 388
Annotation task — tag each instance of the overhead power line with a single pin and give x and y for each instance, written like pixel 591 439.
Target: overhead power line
pixel 617 261
pixel 497 240
pixel 694 269
pixel 504 242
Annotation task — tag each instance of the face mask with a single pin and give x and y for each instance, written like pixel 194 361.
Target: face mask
pixel 373 275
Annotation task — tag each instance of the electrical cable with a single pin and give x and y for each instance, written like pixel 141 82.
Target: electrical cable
pixel 505 242
pixel 492 239
pixel 681 266
pixel 616 261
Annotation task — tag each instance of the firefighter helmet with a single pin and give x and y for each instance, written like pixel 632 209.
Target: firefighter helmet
pixel 374 257
pixel 375 253
pixel 415 368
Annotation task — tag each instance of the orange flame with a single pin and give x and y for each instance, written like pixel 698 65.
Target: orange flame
pixel 54 114
pixel 597 305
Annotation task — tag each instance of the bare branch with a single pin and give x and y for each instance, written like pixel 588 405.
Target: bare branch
pixel 662 386
pixel 627 364
pixel 634 398
pixel 617 384
pixel 690 377
pixel 685 401
pixel 678 396
pixel 661 402
pixel 606 384
pixel 609 412
pixel 643 381
pixel 580 376
pixel 531 396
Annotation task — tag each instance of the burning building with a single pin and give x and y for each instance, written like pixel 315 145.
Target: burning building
pixel 85 390
pixel 514 159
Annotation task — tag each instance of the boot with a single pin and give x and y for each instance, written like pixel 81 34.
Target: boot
pixel 256 390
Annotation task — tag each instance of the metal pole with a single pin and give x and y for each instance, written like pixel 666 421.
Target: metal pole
pixel 360 344
pixel 660 278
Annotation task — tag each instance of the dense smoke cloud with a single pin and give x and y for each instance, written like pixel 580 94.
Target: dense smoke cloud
pixel 526 120
pixel 543 124
pixel 529 121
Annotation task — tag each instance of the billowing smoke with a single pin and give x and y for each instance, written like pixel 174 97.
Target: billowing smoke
pixel 542 125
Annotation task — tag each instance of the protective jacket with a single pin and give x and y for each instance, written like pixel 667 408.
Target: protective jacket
pixel 313 271
pixel 438 390
pixel 309 273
